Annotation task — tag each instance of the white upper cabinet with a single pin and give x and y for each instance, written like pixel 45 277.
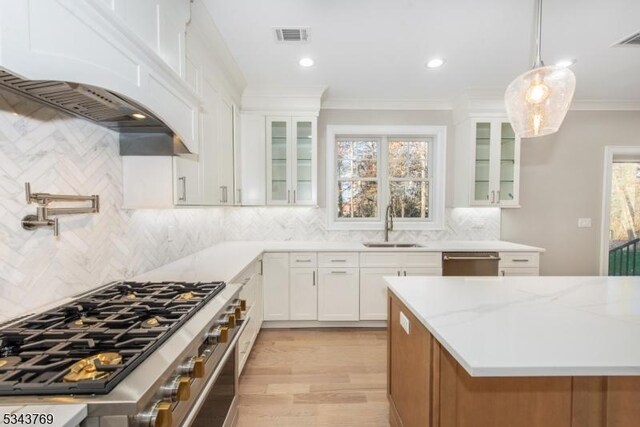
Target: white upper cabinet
pixel 252 187
pixel 487 169
pixel 291 162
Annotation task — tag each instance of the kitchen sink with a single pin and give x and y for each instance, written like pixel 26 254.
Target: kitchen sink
pixel 391 245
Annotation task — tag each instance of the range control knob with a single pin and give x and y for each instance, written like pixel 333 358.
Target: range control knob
pixel 231 321
pixel 218 335
pixel 178 389
pixel 243 304
pixel 194 367
pixel 238 313
pixel 158 416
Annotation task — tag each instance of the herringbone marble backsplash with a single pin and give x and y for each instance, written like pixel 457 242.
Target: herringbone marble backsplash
pixel 61 154
pixel 310 224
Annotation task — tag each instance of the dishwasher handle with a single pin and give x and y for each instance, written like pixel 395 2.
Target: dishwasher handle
pixel 471 258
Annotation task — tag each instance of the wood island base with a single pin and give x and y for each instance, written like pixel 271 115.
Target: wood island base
pixel 428 388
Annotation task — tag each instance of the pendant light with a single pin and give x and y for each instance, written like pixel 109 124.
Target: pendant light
pixel 537 101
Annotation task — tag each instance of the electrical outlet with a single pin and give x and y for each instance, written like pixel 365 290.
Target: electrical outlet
pixel 477 223
pixel 171 231
pixel 404 322
pixel 584 222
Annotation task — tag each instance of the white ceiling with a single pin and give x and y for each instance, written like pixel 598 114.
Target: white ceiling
pixel 375 49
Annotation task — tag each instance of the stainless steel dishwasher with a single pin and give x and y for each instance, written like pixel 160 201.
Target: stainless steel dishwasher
pixel 470 263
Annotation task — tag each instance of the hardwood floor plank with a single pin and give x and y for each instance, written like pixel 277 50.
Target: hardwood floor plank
pixel 317 377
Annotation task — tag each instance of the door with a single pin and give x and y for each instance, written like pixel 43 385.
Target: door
pixel 278 161
pixel 187 189
pixel 338 294
pixel 276 286
pixel 303 172
pixel 373 292
pixel 225 147
pixel 621 219
pixel 209 142
pixel 303 294
pixel 509 167
pixel 252 188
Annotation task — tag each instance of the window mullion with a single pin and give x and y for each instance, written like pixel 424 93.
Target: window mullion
pixel 383 186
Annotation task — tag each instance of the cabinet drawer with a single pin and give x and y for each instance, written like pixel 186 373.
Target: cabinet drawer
pixel 423 259
pixel 338 259
pixel 380 259
pixel 519 259
pixel 303 259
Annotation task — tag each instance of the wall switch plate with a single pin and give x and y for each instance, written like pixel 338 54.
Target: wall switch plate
pixel 404 322
pixel 584 222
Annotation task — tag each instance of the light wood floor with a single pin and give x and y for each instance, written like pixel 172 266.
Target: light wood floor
pixel 321 377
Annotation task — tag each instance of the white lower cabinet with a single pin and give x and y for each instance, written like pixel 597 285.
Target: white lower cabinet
pixel 373 292
pixel 303 294
pixel 251 292
pixel 276 286
pixel 373 288
pixel 519 264
pixel 338 294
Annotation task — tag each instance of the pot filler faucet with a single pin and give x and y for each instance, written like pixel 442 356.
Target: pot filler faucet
pixel 388 222
pixel 43 211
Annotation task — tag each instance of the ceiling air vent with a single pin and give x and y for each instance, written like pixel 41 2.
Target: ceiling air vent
pixel 632 40
pixel 292 34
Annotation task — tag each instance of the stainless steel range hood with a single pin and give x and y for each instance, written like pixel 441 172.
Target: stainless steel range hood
pixel 141 132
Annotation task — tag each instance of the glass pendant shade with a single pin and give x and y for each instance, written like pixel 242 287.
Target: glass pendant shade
pixel 537 101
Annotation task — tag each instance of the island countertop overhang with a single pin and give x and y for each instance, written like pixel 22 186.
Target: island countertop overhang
pixel 530 326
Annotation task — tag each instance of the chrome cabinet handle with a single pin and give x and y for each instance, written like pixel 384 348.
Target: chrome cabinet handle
pixel 183 197
pixel 520 260
pixel 398 272
pixel 294 197
pixel 502 273
pixel 261 267
pixel 303 260
pixel 288 196
pixel 338 260
pixel 493 196
pixel 405 273
pixel 223 194
pixel 314 277
pixel 239 196
pixel 338 272
pixel 498 196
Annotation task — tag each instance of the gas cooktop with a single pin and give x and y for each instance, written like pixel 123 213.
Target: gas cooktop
pixel 90 344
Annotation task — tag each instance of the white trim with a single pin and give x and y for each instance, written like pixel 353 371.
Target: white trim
pixel 611 153
pixel 385 104
pixel 438 175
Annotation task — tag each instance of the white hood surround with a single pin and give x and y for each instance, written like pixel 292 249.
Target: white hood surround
pixel 88 43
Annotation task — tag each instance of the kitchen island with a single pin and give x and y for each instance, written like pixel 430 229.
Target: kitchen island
pixel 514 351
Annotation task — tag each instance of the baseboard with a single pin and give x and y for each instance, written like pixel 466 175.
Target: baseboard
pixel 292 324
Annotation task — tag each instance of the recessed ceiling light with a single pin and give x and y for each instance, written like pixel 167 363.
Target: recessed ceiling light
pixel 435 63
pixel 564 63
pixel 306 62
pixel 138 116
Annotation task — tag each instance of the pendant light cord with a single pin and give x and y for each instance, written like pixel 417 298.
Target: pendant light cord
pixel 538 61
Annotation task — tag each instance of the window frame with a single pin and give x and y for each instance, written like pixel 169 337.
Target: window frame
pixel 436 167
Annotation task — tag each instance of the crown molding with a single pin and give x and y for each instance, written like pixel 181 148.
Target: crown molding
pixel 291 99
pixel 605 105
pixel 385 104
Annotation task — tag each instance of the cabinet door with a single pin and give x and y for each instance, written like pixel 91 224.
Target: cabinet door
pixel 304 170
pixel 252 186
pixel 224 163
pixel 338 294
pixel 507 185
pixel 481 185
pixel 276 286
pixel 209 142
pixel 303 293
pixel 514 271
pixel 187 182
pixel 422 271
pixel 278 161
pixel 373 292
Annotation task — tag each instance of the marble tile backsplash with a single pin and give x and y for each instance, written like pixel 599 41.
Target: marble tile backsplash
pixel 61 154
pixel 273 223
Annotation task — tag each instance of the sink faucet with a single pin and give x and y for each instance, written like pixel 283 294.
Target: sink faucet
pixel 388 222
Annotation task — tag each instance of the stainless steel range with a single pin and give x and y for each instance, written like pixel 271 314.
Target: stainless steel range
pixel 138 354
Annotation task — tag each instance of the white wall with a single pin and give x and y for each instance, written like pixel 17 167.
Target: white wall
pixel 61 154
pixel 561 181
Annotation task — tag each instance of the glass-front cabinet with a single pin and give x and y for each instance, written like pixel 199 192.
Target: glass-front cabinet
pixel 496 164
pixel 291 161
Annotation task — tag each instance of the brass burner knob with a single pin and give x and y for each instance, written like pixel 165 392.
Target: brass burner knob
pixel 162 416
pixel 198 367
pixel 231 320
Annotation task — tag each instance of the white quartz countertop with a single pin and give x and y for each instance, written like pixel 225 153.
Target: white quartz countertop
pixel 63 415
pixel 227 259
pixel 531 326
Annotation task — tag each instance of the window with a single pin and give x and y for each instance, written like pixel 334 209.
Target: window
pixel 371 167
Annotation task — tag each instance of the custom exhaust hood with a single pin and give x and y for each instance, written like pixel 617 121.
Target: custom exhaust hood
pixel 85 58
pixel 141 133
